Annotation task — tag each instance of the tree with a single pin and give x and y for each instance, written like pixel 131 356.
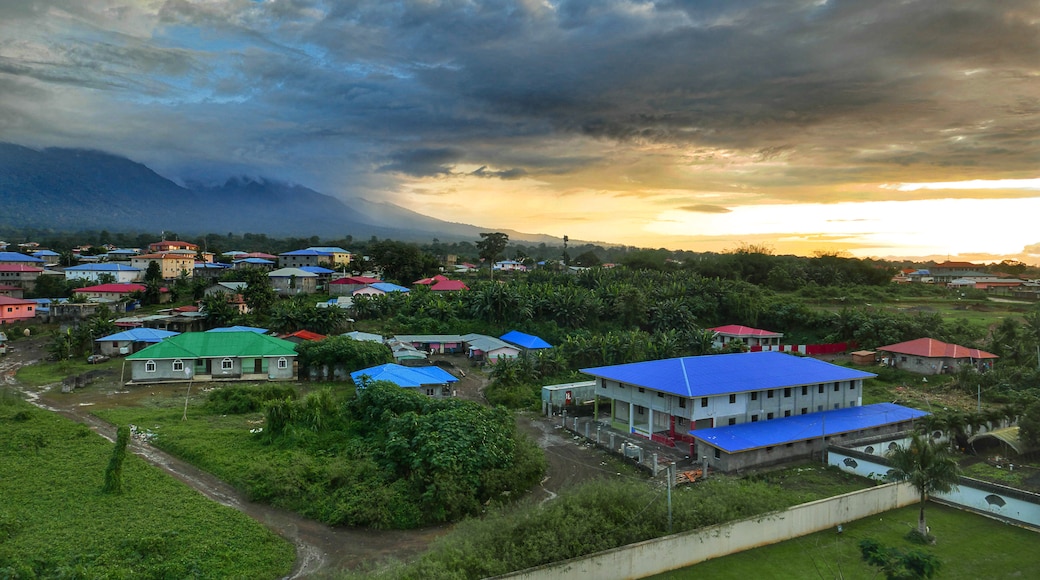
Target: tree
pixel 1029 426
pixel 490 246
pixel 153 282
pixel 928 467
pixel 218 311
pixel 402 262
pixel 258 293
pixel 899 565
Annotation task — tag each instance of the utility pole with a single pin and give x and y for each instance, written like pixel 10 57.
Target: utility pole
pixel 671 481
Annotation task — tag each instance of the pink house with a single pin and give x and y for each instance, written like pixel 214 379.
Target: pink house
pixel 15 309
pixel 750 337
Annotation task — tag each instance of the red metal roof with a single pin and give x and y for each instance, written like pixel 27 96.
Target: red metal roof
pixel 448 286
pixel 305 335
pixel 114 288
pixel 431 281
pixel 737 330
pixel 360 280
pixel 931 348
pixel 8 301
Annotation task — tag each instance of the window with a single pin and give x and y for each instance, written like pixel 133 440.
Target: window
pixel 754 418
pixel 603 385
pixel 640 410
pixel 787 392
pixel 149 367
pixel 852 386
pixel 227 364
pixel 769 394
pixel 429 392
pixel 718 454
pixel 819 408
pixel 178 365
pixel 836 387
pixel 805 390
pixel 680 421
pixel 682 403
pixel 769 416
pixel 821 389
pixel 787 413
pixel 769 449
pixel 754 395
pixel 732 399
pixel 732 421
pixel 660 395
pixel 902 359
pixel 805 410
pixel 837 405
pixel 704 402
pixel 642 390
pixel 283 363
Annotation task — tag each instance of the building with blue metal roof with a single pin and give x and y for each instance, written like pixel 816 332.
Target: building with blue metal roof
pixel 431 380
pixel 120 273
pixel 524 341
pixel 668 399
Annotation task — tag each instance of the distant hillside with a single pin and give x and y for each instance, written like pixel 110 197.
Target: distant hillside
pixel 76 189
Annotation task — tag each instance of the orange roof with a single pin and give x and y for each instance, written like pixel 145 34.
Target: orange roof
pixel 931 348
pixel 305 335
pixel 956 265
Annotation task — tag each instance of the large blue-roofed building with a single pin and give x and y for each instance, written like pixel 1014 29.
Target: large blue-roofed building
pixel 673 400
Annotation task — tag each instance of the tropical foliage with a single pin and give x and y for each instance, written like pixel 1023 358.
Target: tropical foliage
pixel 926 465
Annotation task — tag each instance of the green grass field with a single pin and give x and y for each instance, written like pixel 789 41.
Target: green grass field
pixel 969 546
pixel 56 522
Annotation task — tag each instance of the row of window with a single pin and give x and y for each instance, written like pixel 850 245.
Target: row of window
pixel 225 365
pixel 754 394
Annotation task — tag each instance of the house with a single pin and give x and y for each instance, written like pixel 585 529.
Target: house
pixel 404 351
pixel 435 343
pixel 928 356
pixel 171 246
pixel 449 286
pixel 488 348
pixel 864 357
pixel 358 335
pixel 120 273
pixel 172 265
pixel 751 338
pixel 11 291
pixel 300 258
pixel 465 268
pixel 23 276
pixel 431 281
pixel 19 259
pixel 948 271
pixel 253 262
pixel 510 266
pixel 49 257
pixel 210 270
pixel 337 257
pixel 378 289
pixel 16 310
pixel 210 356
pixel 293 281
pixel 347 286
pixel 433 381
pixel 671 400
pixel 122 254
pixel 302 336
pixel 225 288
pixel 524 341
pixel 114 292
pixel 131 341
pixel 239 329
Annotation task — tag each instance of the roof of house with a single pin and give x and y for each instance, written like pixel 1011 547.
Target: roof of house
pixel 428 338
pixel 741 331
pixel 239 329
pixel 303 335
pixel 931 348
pixel 7 287
pixel 170 243
pixel 359 280
pixel 956 265
pixel 387 287
pixel 488 344
pixel 102 268
pixel 9 301
pixel 704 376
pixel 304 253
pixel 208 344
pixel 431 281
pixel 358 335
pixel 748 436
pixel 165 256
pixel 449 286
pixel 403 376
pixel 253 261
pixel 329 249
pixel 232 286
pixel 290 272
pixel 48 253
pixel 211 265
pixel 114 288
pixel 528 341
pixel 19 257
pixel 261 255
pixel 317 270
pixel 124 251
pixel 138 335
pixel 19 268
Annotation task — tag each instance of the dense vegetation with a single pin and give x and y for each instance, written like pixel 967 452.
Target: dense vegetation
pixel 385 458
pixel 56 522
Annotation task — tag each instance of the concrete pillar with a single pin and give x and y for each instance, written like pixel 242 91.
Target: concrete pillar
pixel 575 424
pixel 650 425
pixel 563 418
pixel 587 429
pixel 631 416
pixel 598 428
pixel 612 441
pixel 654 466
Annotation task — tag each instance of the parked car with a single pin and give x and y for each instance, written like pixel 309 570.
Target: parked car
pixel 96 358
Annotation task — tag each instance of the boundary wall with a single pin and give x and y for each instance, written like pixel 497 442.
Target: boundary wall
pixel 688 548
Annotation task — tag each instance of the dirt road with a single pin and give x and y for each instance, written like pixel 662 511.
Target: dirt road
pixel 319 548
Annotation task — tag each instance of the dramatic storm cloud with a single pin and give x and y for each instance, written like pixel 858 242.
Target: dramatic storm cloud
pixel 876 127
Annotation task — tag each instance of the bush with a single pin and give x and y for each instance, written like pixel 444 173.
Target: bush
pixel 239 400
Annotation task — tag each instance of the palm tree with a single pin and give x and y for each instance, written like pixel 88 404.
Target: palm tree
pixel 928 467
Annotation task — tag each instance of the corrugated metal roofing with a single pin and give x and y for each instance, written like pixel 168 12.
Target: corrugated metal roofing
pixel 18 257
pixel 290 272
pixel 139 335
pixel 931 348
pixel 239 329
pixel 403 376
pixel 114 288
pixel 102 268
pixel 747 436
pixel 449 286
pixel 208 344
pixel 317 270
pixel 528 341
pixel 704 376
pixel 356 280
pixel 304 253
pixel 737 330
pixel 388 287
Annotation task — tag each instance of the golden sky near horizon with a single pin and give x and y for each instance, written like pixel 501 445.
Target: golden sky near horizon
pixel 890 128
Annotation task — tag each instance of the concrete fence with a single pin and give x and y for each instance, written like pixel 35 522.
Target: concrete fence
pixel 689 548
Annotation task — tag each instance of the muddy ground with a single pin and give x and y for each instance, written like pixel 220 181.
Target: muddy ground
pixel 320 549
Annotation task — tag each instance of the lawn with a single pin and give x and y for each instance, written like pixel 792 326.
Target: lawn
pixel 969 546
pixel 56 522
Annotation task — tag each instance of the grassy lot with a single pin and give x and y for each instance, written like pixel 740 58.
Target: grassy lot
pixel 56 522
pixel 969 546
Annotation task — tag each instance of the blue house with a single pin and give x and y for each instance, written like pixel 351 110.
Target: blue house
pixel 433 381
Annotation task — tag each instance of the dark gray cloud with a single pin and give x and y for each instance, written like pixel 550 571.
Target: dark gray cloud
pixel 360 95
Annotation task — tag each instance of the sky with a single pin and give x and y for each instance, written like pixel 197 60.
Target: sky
pixel 883 128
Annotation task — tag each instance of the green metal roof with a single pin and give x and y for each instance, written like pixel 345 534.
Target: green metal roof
pixel 217 344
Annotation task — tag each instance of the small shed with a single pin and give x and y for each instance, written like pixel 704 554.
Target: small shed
pixel 567 395
pixel 864 357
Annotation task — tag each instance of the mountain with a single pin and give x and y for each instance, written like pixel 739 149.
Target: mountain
pixel 75 189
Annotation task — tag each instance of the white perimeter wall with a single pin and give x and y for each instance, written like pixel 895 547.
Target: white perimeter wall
pixel 689 548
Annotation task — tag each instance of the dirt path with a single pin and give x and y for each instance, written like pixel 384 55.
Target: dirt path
pixel 319 548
